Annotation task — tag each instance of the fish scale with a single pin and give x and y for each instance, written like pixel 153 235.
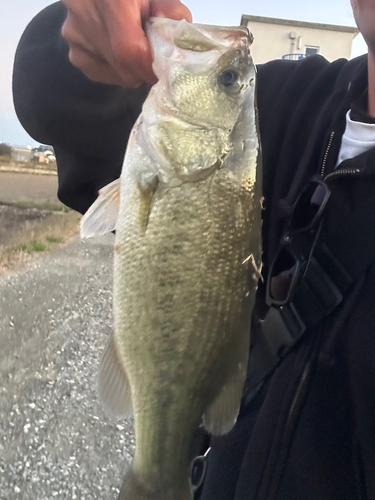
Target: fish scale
pixel 196 281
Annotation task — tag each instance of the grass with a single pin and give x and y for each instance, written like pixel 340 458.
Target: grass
pixel 54 239
pixel 39 236
pixel 51 207
pixel 33 246
pixel 33 164
pixel 5 159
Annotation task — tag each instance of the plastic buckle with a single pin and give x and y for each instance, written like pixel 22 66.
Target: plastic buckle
pixel 315 297
pixel 282 327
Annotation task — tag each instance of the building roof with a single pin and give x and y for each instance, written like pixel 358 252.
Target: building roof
pixel 301 24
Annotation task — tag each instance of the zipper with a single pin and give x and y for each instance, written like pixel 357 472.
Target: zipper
pixel 326 153
pixel 335 172
pixel 294 409
pixel 352 171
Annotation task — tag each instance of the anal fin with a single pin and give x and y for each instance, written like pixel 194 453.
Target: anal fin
pixel 220 417
pixel 113 385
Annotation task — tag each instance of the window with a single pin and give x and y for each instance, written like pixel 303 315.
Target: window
pixel 311 50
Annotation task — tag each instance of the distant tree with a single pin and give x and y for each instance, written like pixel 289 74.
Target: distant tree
pixel 5 149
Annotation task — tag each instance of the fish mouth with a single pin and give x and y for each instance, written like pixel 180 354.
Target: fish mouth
pixel 199 37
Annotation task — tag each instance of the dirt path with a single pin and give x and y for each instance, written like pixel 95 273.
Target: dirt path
pixel 55 315
pixel 55 440
pixel 28 187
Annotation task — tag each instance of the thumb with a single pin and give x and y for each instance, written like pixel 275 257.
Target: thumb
pixel 172 9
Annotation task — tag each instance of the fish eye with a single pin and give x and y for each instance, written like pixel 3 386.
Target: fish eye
pixel 230 81
pixel 228 78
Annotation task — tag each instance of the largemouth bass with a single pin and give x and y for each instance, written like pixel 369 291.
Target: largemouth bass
pixel 187 252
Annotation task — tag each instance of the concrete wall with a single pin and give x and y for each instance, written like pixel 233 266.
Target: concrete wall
pixel 21 154
pixel 272 41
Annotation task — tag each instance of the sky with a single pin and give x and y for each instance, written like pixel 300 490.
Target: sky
pixel 16 14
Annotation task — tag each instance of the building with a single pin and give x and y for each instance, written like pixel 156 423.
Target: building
pixel 21 154
pixel 44 148
pixel 280 38
pixel 44 157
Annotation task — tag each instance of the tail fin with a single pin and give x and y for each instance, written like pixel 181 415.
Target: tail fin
pixel 132 489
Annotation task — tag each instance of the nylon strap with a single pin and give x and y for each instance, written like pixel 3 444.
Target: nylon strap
pixel 331 275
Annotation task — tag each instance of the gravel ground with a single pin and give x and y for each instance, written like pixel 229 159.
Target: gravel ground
pixel 55 440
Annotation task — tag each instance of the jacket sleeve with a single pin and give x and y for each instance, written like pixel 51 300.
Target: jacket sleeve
pixel 87 123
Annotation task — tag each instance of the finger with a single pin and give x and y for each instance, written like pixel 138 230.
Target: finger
pixel 74 35
pixel 99 70
pixel 129 45
pixel 86 57
pixel 133 53
pixel 173 9
pixel 84 10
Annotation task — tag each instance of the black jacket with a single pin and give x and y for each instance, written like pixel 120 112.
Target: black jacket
pixel 309 433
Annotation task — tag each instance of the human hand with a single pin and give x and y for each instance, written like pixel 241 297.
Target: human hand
pixel 107 41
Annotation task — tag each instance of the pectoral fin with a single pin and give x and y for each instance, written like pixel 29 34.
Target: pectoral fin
pixel 101 217
pixel 113 385
pixel 147 183
pixel 221 416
